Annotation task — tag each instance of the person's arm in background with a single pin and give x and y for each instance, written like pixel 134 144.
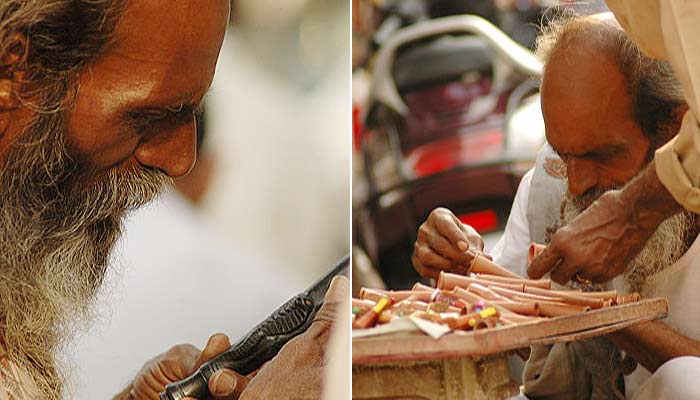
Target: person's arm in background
pixel 616 227
pixel 602 240
pixel 654 343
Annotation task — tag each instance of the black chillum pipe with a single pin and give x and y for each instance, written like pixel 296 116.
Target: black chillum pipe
pixel 260 345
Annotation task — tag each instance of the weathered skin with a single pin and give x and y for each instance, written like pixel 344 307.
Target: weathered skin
pixel 135 108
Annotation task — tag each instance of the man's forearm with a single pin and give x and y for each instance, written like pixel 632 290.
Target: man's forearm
pixel 650 203
pixel 654 343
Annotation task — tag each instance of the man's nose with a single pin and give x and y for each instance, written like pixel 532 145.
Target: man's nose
pixel 581 176
pixel 173 152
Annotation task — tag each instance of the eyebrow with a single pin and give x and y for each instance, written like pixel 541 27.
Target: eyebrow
pixel 174 106
pixel 610 150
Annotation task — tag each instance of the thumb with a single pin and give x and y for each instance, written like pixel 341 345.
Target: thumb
pixel 217 344
pixel 338 291
pixel 544 263
pixel 227 385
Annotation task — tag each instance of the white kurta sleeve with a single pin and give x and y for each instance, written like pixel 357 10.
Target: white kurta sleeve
pixel 511 249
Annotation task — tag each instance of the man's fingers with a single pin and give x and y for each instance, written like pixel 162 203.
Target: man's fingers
pixel 476 242
pixel 447 225
pixel 544 263
pixel 217 344
pixel 227 385
pixel 559 276
pixel 424 270
pixel 431 259
pixel 337 292
pixel 442 246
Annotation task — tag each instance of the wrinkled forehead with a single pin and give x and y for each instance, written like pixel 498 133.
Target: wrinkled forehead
pixel 163 29
pixel 584 93
pixel 164 53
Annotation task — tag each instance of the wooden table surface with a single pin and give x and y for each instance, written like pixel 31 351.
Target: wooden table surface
pixel 415 346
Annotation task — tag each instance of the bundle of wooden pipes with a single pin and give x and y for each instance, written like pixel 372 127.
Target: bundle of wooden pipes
pixel 486 296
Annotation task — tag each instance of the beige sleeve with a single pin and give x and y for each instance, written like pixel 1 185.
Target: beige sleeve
pixel 678 162
pixel 670 29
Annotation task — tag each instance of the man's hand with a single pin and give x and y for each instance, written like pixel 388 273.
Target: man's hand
pixel 443 241
pixel 182 361
pixel 600 243
pixel 296 372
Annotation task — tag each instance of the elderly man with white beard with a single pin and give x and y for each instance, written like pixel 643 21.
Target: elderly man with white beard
pixel 607 107
pixel 97 114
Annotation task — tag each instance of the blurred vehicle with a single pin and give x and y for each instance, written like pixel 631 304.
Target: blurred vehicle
pixel 453 119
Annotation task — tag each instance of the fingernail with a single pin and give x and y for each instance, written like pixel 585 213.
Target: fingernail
pixel 217 337
pixel 463 246
pixel 223 384
pixel 338 290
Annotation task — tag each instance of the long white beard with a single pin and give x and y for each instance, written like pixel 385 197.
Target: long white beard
pixel 56 234
pixel 662 250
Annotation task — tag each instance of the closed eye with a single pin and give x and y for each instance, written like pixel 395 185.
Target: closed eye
pixel 145 120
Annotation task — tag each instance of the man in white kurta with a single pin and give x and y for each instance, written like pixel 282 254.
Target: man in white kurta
pixel 680 282
pixel 593 128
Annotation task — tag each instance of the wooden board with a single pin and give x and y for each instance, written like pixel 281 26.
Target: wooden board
pixel 416 346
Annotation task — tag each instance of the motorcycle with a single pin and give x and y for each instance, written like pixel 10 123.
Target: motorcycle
pixel 453 120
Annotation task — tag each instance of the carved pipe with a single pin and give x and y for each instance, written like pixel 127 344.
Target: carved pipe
pixel 385 317
pixel 408 306
pixel 469 297
pixel 448 281
pixel 511 294
pixel 522 308
pixel 606 295
pixel 486 292
pixel 362 304
pixel 473 320
pixel 422 288
pixel 541 283
pixel 556 309
pixel 482 265
pixel 369 319
pixel 504 312
pixel 535 250
pixel 627 298
pixel 393 295
pixel 485 323
pixel 570 297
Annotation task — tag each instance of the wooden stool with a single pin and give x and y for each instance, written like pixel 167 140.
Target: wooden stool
pixel 473 378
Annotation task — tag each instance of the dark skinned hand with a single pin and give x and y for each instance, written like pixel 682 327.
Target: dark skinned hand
pixel 182 361
pixel 296 371
pixel 599 244
pixel 442 244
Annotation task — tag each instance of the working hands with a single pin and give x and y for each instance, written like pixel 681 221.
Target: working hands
pixel 442 244
pixel 595 246
pixel 296 372
pixel 182 361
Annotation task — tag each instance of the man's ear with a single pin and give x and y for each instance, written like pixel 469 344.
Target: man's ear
pixel 12 72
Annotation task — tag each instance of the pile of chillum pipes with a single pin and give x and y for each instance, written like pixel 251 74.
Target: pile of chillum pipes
pixel 486 296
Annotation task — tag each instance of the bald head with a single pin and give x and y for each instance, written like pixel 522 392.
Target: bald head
pixel 582 45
